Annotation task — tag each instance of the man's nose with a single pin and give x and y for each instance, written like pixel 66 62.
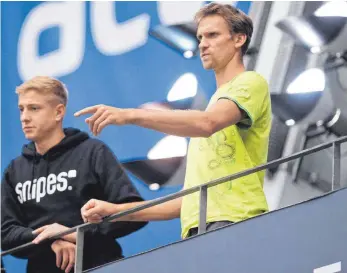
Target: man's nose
pixel 203 44
pixel 24 117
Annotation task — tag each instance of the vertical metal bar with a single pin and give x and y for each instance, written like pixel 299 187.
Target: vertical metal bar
pixel 203 210
pixel 335 183
pixel 298 163
pixel 79 251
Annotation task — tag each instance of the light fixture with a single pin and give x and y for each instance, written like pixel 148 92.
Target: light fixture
pixel 156 172
pixel 310 80
pixel 170 146
pixel 325 30
pixel 163 163
pixel 337 79
pixel 300 98
pixel 334 124
pixel 338 124
pixel 333 8
pixel 186 86
pixel 181 37
pixel 291 108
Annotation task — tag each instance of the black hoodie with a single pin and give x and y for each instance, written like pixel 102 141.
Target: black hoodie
pixel 39 190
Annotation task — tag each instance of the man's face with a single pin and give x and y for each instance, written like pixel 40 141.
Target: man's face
pixel 217 47
pixel 40 114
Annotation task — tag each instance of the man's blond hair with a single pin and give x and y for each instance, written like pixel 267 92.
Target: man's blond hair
pixel 45 85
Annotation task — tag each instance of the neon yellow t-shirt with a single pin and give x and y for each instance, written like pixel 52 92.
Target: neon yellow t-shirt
pixel 231 150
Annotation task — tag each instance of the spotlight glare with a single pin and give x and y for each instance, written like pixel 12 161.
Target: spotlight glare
pixel 290 122
pixel 154 186
pixel 315 49
pixel 188 54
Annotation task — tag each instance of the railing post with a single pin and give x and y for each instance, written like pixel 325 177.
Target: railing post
pixel 79 251
pixel 335 183
pixel 203 210
pixel 298 163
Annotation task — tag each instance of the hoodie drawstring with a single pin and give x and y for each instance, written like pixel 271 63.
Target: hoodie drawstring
pixel 33 169
pixel 47 165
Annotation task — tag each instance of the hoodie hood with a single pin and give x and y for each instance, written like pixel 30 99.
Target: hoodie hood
pixel 73 137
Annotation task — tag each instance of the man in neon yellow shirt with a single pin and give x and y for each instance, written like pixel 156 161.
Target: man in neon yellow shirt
pixel 230 136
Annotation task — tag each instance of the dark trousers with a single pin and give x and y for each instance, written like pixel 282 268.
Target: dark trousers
pixel 209 227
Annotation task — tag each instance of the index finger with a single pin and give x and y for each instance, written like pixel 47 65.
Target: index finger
pixel 90 204
pixel 39 230
pixel 87 110
pixel 42 236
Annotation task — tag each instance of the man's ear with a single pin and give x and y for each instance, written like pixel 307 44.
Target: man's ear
pixel 240 39
pixel 60 112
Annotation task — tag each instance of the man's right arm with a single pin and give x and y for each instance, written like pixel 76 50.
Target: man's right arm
pixel 94 210
pixel 14 231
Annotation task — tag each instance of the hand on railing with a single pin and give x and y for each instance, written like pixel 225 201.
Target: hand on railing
pixel 65 254
pixel 95 210
pixel 49 231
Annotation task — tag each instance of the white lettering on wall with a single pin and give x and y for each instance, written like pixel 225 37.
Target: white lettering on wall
pixel 171 13
pixel 70 18
pixel 113 38
pixel 110 37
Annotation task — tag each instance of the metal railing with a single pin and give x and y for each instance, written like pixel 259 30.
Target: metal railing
pixel 80 229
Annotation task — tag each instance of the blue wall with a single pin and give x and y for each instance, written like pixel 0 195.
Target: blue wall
pixel 124 72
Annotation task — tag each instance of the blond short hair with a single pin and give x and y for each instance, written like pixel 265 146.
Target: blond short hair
pixel 45 85
pixel 238 21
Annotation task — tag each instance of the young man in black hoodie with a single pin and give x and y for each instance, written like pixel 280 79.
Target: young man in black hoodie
pixel 57 173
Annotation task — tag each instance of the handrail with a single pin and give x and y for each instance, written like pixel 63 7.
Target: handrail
pixel 203 196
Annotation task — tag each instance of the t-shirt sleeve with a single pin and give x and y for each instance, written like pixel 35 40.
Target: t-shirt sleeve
pixel 249 92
